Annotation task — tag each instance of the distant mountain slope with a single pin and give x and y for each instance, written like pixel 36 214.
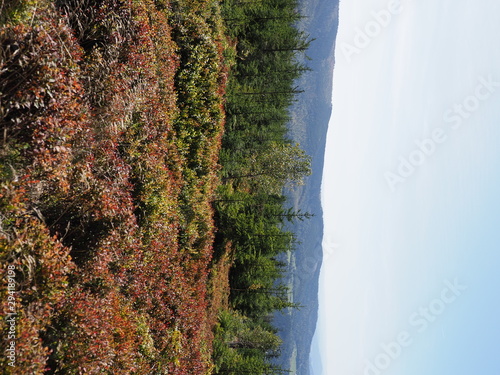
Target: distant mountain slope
pixel 310 117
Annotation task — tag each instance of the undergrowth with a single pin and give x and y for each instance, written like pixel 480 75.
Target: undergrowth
pixel 111 121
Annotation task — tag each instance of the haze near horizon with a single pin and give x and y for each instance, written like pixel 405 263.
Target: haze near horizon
pixel 410 192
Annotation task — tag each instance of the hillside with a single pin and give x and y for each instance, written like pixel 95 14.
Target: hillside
pixel 310 117
pixel 112 118
pixel 143 162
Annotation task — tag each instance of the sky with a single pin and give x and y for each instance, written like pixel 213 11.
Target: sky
pixel 411 192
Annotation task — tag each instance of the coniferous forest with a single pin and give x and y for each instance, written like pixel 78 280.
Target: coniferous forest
pixel 144 156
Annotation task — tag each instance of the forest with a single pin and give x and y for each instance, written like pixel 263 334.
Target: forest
pixel 144 155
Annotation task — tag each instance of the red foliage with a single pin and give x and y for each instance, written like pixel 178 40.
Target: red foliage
pixel 93 167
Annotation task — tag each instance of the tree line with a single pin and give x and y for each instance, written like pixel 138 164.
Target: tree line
pixel 258 162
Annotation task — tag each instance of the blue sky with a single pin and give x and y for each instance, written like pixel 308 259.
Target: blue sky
pixel 411 192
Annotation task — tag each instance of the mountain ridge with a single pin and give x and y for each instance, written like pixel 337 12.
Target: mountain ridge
pixel 309 125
